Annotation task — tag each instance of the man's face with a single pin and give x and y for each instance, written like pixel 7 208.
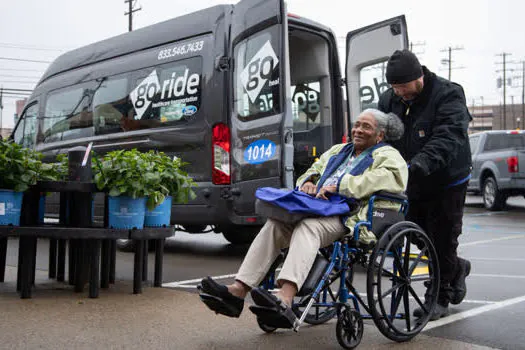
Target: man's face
pixel 409 91
pixel 364 132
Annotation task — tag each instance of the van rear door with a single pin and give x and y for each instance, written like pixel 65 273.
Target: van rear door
pixel 367 51
pixel 261 119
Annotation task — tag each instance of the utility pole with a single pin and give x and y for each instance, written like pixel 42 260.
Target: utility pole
pixel 504 82
pixel 449 60
pixel 482 113
pixel 522 95
pixel 1 110
pixel 131 9
pixel 419 43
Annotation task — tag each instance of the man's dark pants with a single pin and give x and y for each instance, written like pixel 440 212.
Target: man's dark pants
pixel 441 217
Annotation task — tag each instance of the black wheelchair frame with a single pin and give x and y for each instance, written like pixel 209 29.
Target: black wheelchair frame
pixel 383 302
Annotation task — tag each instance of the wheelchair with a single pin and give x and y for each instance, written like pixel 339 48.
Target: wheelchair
pixel 401 264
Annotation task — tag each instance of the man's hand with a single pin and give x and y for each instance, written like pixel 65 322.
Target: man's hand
pixel 308 187
pixel 325 190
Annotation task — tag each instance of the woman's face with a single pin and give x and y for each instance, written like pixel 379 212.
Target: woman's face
pixel 364 132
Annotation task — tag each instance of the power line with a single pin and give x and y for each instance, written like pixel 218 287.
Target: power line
pixel 22 60
pixel 21 70
pixel 23 47
pixel 130 12
pixel 25 90
pixel 18 76
pixel 17 82
pixel 418 43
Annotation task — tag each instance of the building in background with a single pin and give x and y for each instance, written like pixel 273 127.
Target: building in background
pixel 493 118
pixel 20 104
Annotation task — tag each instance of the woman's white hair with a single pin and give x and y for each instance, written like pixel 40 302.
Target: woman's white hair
pixel 389 123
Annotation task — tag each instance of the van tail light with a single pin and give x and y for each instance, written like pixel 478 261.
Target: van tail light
pixel 512 164
pixel 221 155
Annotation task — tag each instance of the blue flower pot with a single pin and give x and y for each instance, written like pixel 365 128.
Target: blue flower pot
pixel 10 207
pixel 160 216
pixel 126 212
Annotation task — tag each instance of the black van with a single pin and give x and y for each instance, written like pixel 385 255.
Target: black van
pixel 248 94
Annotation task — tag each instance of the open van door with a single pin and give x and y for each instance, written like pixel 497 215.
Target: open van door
pixel 367 52
pixel 261 119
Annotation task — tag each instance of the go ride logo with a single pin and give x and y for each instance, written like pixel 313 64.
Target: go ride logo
pixel 180 88
pixel 258 71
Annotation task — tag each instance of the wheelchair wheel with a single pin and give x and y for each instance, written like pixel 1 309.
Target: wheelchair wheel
pixel 403 259
pixel 349 328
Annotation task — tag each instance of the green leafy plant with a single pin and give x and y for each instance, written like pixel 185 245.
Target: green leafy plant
pixel 135 174
pixel 174 181
pixel 22 167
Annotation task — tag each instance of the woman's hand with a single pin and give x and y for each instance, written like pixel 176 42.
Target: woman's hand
pixel 309 188
pixel 326 190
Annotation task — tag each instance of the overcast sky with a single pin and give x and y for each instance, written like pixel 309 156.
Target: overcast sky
pixel 42 30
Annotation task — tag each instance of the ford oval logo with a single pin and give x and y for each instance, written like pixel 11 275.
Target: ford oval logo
pixel 189 110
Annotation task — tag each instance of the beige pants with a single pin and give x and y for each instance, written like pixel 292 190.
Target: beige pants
pixel 304 240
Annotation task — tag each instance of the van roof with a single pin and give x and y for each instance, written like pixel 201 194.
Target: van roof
pixel 174 29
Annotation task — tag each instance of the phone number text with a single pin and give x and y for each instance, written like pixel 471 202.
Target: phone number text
pixel 181 50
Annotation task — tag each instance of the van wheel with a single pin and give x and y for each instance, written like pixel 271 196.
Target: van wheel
pixel 493 198
pixel 240 234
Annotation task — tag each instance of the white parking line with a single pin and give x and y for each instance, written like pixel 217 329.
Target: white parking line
pixel 495 275
pixel 474 312
pixel 496 259
pixel 491 240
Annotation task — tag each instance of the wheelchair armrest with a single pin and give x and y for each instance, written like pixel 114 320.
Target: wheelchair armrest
pixel 395 196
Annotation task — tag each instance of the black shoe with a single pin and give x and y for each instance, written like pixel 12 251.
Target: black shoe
pixel 219 299
pixel 459 286
pixel 438 312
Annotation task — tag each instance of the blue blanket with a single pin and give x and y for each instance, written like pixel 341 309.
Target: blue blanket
pixel 297 202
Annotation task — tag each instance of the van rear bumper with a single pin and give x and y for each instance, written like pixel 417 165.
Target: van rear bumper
pixel 212 206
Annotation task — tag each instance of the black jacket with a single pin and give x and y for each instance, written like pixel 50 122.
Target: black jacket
pixel 435 142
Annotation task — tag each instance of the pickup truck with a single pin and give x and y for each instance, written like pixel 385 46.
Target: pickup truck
pixel 496 171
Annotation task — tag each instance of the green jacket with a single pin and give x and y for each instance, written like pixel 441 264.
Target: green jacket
pixel 387 173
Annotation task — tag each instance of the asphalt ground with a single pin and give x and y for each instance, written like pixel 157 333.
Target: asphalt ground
pixel 174 318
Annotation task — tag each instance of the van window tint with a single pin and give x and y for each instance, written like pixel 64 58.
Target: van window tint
pixel 257 71
pixel 372 82
pixel 306 106
pixel 166 94
pixel 111 105
pixel 504 141
pixel 25 133
pixel 67 114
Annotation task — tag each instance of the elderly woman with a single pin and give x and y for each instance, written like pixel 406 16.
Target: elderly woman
pixel 379 167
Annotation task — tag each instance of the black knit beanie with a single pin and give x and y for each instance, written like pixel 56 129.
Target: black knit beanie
pixel 402 67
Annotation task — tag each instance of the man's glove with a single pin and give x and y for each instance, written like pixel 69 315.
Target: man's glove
pixel 415 170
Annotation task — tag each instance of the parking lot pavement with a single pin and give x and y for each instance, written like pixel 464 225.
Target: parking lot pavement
pixel 160 318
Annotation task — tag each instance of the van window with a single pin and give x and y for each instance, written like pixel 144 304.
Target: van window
pixel 166 94
pixel 257 71
pixel 25 133
pixel 67 114
pixel 111 105
pixel 306 106
pixel 372 83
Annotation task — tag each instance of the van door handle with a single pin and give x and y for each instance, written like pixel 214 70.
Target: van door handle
pixel 128 143
pixel 288 136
